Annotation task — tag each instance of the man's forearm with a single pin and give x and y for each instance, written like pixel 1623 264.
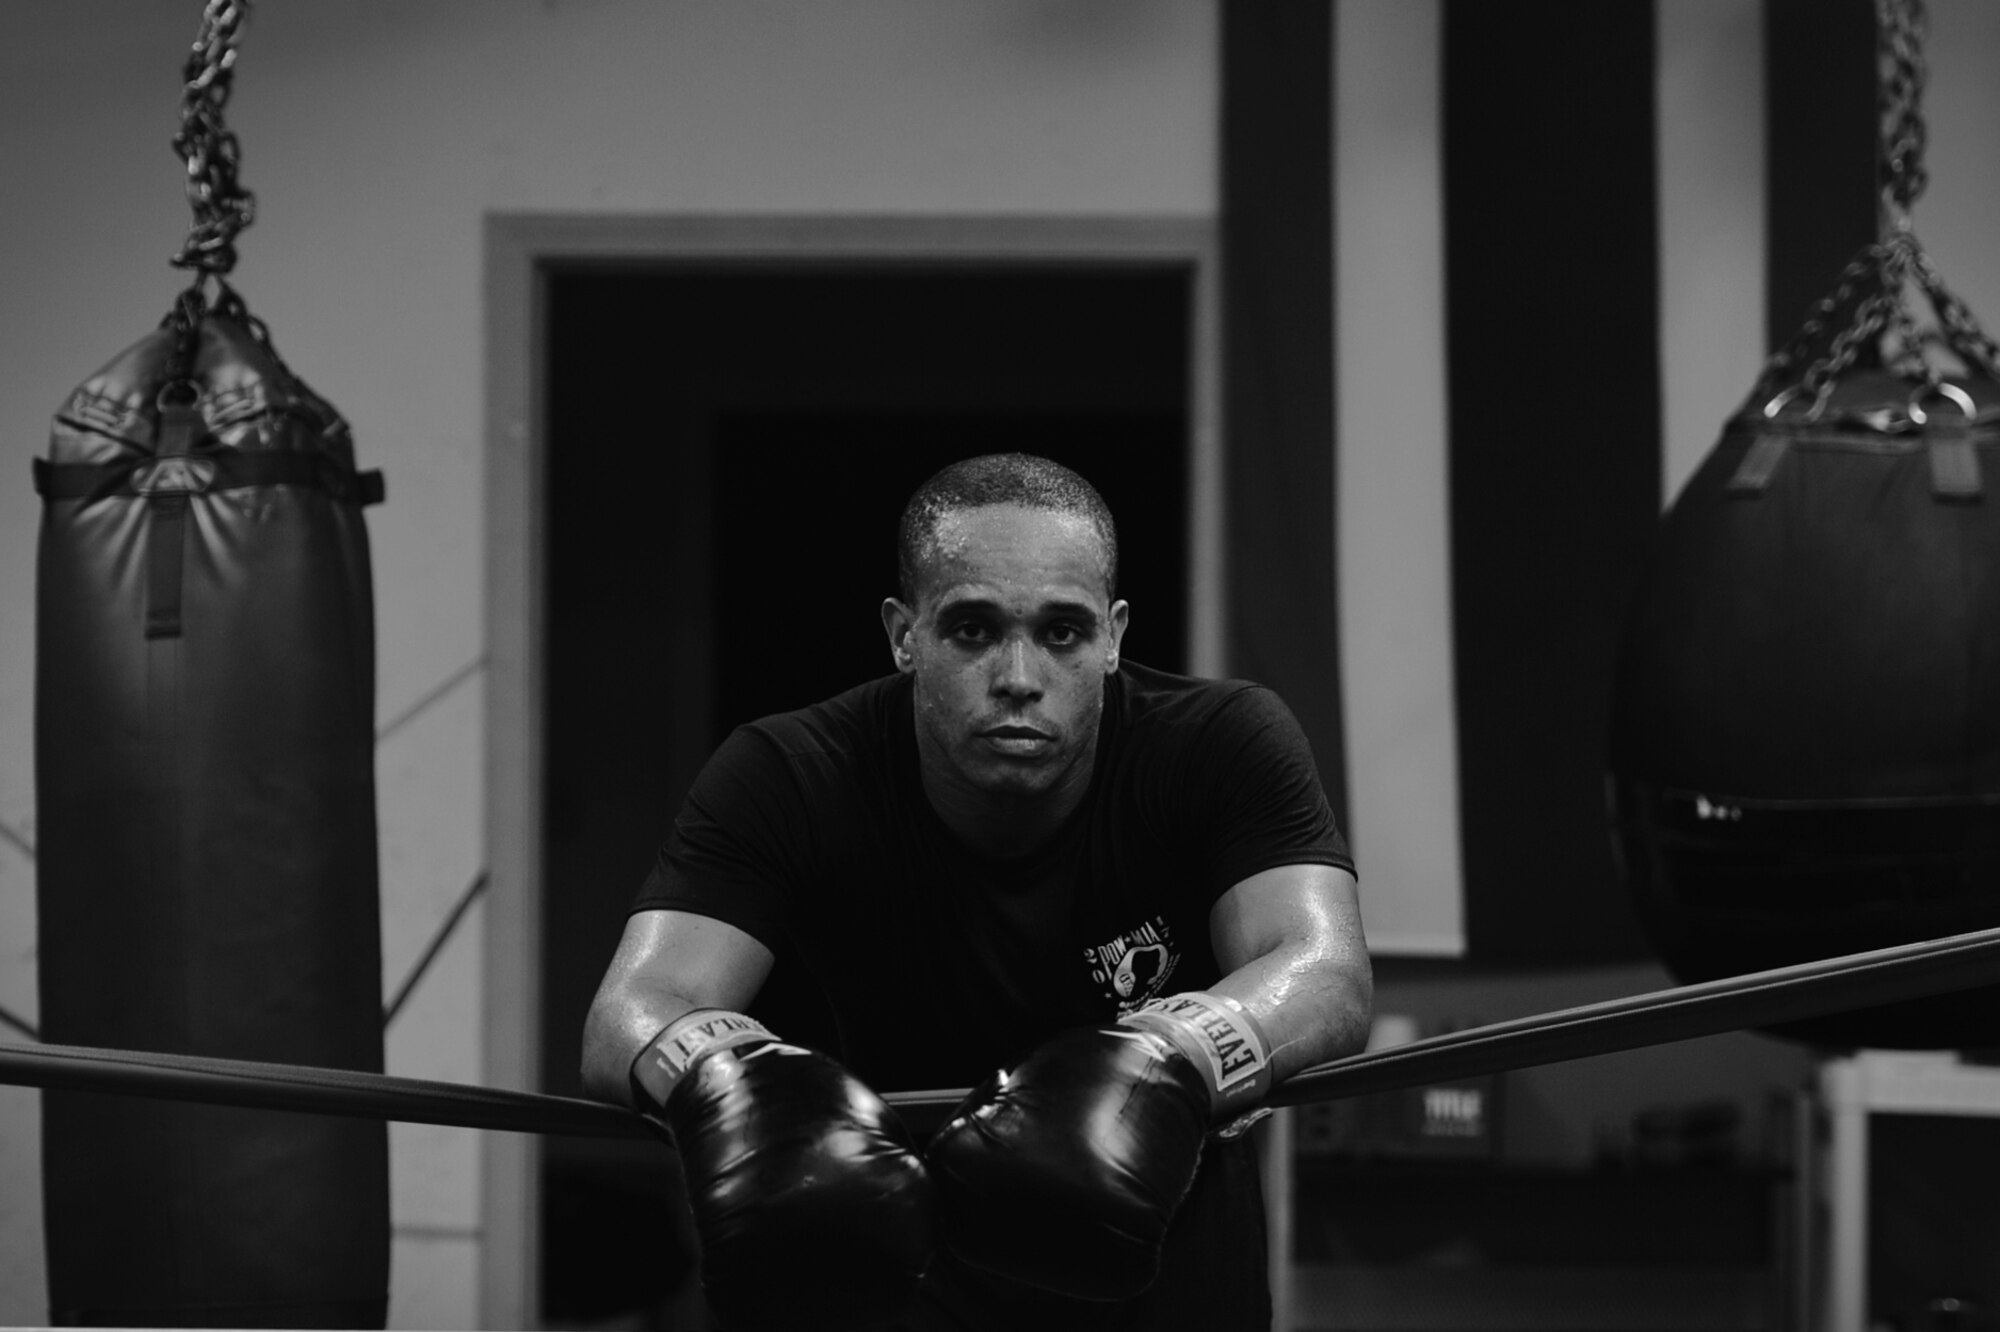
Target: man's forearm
pixel 667 963
pixel 1312 1005
pixel 620 1023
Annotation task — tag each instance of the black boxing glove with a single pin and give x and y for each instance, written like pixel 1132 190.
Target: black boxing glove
pixel 1064 1171
pixel 812 1205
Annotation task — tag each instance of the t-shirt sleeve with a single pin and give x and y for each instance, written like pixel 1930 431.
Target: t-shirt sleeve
pixel 1258 797
pixel 732 853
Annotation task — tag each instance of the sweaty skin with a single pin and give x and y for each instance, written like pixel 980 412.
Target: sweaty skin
pixel 1010 642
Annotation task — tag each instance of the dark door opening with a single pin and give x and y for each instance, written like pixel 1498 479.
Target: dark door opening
pixel 729 446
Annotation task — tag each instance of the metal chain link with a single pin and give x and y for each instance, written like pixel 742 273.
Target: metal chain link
pixel 1961 329
pixel 1824 374
pixel 1910 360
pixel 1862 266
pixel 1874 291
pixel 221 207
pixel 1901 26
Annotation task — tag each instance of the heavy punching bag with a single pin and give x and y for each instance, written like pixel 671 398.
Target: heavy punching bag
pixel 207 877
pixel 1806 716
pixel 1805 744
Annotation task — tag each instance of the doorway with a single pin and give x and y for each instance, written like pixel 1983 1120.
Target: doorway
pixel 727 442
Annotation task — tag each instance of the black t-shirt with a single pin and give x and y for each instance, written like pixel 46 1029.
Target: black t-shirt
pixel 811 829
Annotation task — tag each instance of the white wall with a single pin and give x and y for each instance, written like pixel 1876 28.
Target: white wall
pixel 376 134
pixel 1391 393
pixel 1709 96
pixel 1394 557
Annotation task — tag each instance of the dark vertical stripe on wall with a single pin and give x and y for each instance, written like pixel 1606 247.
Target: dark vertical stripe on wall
pixel 1277 281
pixel 1554 454
pixel 1819 165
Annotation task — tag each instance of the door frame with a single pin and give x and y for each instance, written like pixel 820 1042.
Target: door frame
pixel 520 249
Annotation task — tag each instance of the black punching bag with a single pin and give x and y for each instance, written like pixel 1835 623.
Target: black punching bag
pixel 1806 715
pixel 204 751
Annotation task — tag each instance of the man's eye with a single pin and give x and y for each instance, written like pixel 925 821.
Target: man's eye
pixel 1063 635
pixel 968 631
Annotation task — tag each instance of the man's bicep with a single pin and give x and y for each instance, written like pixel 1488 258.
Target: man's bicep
pixel 708 962
pixel 1311 906
pixel 1255 799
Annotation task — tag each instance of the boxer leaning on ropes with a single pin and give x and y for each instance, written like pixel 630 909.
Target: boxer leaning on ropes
pixel 1111 899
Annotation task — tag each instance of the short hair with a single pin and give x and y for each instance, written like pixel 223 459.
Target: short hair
pixel 998 478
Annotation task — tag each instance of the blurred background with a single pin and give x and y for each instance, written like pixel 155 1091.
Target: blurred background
pixel 1387 327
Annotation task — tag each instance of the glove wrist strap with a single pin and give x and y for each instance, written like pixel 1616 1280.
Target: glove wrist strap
pixel 687 1038
pixel 1223 1040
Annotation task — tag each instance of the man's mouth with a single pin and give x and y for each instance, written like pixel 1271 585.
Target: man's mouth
pixel 1016 739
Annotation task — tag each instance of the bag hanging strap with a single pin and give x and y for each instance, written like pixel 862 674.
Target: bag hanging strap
pixel 179 469
pixel 205 470
pixel 166 542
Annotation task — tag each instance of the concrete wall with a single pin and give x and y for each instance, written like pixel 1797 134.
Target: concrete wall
pixel 376 136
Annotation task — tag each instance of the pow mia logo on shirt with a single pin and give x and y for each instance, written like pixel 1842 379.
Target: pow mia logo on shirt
pixel 1132 970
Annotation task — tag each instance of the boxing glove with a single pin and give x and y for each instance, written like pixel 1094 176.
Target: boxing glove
pixel 1065 1170
pixel 810 1200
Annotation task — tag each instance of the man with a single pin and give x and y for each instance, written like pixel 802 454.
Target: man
pixel 1113 898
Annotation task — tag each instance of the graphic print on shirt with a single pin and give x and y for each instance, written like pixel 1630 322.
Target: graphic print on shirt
pixel 1132 969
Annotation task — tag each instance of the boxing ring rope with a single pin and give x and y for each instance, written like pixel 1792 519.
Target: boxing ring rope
pixel 1755 999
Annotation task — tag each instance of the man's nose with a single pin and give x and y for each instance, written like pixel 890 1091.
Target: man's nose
pixel 1018 671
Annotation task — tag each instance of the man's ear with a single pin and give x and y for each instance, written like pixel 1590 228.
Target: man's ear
pixel 1119 612
pixel 899 622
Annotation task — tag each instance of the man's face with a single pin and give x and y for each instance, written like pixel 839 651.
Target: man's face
pixel 1010 642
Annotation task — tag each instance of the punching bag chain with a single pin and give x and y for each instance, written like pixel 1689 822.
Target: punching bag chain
pixel 221 207
pixel 1868 318
pixel 1902 28
pixel 1961 328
